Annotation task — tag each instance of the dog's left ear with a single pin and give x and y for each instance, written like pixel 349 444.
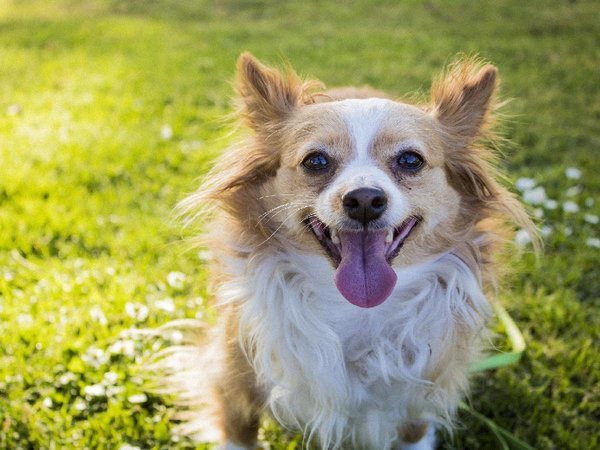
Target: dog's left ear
pixel 268 95
pixel 463 102
pixel 463 98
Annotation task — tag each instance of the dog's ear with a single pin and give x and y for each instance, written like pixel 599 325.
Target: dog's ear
pixel 463 98
pixel 463 101
pixel 268 95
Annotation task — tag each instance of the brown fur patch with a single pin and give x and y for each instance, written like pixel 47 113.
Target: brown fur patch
pixel 238 399
pixel 412 432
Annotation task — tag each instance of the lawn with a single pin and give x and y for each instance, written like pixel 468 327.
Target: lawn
pixel 110 111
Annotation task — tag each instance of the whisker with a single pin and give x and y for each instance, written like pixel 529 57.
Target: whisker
pixel 265 214
pixel 296 206
pixel 290 194
pixel 282 223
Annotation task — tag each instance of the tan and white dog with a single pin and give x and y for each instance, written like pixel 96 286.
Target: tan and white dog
pixel 353 244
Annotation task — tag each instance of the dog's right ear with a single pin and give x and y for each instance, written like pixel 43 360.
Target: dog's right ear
pixel 268 95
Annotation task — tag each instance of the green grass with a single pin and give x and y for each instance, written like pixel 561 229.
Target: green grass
pixel 88 181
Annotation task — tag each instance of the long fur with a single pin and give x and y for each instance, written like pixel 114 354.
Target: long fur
pixel 287 341
pixel 304 338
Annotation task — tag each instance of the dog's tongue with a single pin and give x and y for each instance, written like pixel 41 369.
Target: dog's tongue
pixel 364 277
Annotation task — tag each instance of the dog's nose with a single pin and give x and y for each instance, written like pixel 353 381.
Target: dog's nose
pixel 365 204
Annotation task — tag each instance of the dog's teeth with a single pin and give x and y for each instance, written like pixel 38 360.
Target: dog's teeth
pixel 389 237
pixel 334 237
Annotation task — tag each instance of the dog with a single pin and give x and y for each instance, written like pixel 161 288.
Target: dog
pixel 353 243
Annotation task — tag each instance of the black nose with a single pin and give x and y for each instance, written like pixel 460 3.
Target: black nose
pixel 365 204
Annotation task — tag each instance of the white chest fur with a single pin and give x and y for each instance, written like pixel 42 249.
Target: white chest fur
pixel 341 372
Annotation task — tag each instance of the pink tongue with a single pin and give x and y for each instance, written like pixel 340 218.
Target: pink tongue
pixel 364 277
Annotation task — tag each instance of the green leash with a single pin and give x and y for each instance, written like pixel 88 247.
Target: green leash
pixel 506 439
pixel 516 340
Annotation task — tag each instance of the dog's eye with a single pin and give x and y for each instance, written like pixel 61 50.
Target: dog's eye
pixel 410 161
pixel 316 161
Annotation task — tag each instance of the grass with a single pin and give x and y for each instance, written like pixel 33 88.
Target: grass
pixel 110 111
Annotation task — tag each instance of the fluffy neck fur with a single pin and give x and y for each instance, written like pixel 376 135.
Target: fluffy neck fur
pixel 345 374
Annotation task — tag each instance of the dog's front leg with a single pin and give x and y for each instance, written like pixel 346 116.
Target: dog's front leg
pixel 237 397
pixel 416 436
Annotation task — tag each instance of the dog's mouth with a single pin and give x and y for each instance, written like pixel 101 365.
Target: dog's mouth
pixel 363 258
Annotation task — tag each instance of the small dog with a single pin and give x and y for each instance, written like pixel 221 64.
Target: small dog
pixel 352 246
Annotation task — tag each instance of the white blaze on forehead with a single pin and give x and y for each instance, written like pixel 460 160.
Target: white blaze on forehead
pixel 364 118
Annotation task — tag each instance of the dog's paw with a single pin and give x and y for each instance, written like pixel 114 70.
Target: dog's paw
pixel 428 442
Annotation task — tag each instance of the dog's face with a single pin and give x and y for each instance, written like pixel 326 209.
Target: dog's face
pixel 366 185
pixel 370 184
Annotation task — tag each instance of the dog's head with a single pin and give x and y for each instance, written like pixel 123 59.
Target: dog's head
pixel 368 183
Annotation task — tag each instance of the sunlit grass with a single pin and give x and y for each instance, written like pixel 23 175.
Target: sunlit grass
pixel 111 110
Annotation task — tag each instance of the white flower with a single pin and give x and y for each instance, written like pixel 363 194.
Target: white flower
pixel 593 242
pixel 123 347
pixel 95 357
pixel 589 202
pixel 95 390
pixel 522 238
pixel 80 404
pixel 568 231
pixel 525 184
pixel 538 212
pixel 112 391
pixel 76 435
pixel 136 311
pixel 166 305
pixel 97 315
pixel 25 319
pixel 47 403
pixel 570 207
pixel 573 173
pixel 66 378
pixel 111 377
pixel 176 280
pixel 550 204
pixel 573 191
pixel 137 398
pixel 546 230
pixel 128 348
pixel 14 110
pixel 203 255
pixel 176 337
pixel 535 196
pixel 166 132
pixel 193 302
pixel 591 218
